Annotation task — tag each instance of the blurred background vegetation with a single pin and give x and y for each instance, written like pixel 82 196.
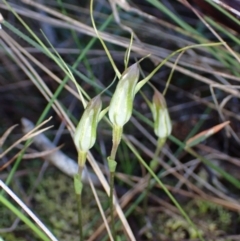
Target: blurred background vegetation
pixel 203 92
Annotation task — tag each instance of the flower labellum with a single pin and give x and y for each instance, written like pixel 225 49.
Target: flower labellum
pixel 162 122
pixel 86 131
pixel 121 105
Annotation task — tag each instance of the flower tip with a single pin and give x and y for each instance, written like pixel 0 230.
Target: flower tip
pixel 162 121
pixel 121 105
pixel 85 134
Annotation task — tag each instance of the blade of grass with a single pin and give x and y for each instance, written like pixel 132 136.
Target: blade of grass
pixel 223 173
pixel 175 202
pixel 44 236
pixel 57 92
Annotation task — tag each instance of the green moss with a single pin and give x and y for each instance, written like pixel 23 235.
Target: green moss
pixel 7 218
pixel 55 203
pixel 10 237
pixel 220 216
pixel 211 220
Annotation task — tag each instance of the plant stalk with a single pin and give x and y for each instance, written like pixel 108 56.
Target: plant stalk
pixel 78 185
pixel 117 134
pixel 154 166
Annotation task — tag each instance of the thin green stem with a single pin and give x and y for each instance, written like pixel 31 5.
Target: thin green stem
pixel 153 165
pixel 226 175
pixel 161 184
pixel 114 151
pixel 4 201
pixel 78 189
pixel 112 167
pixel 80 222
pixel 112 175
pixel 117 135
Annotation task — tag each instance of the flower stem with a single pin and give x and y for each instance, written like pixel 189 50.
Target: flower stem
pixel 80 223
pixel 112 164
pixel 153 165
pixel 78 186
pixel 112 174
pixel 78 190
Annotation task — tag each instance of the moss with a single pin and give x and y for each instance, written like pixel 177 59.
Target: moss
pixel 216 213
pixel 7 217
pixel 10 237
pixel 55 203
pixel 211 220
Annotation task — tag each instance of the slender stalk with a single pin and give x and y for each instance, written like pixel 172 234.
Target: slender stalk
pixel 117 134
pixel 153 165
pixel 78 190
pixel 80 223
pixel 112 175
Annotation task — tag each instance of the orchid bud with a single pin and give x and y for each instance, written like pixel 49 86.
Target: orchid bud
pixel 162 122
pixel 86 131
pixel 121 105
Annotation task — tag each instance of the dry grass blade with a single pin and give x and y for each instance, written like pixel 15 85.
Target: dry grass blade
pixel 101 209
pixel 205 134
pixel 6 134
pixel 27 67
pixel 69 166
pixel 4 166
pixel 57 158
pixel 26 137
pixel 229 8
pixel 42 153
pixel 236 56
pixel 203 92
pixel 27 210
pixel 142 49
